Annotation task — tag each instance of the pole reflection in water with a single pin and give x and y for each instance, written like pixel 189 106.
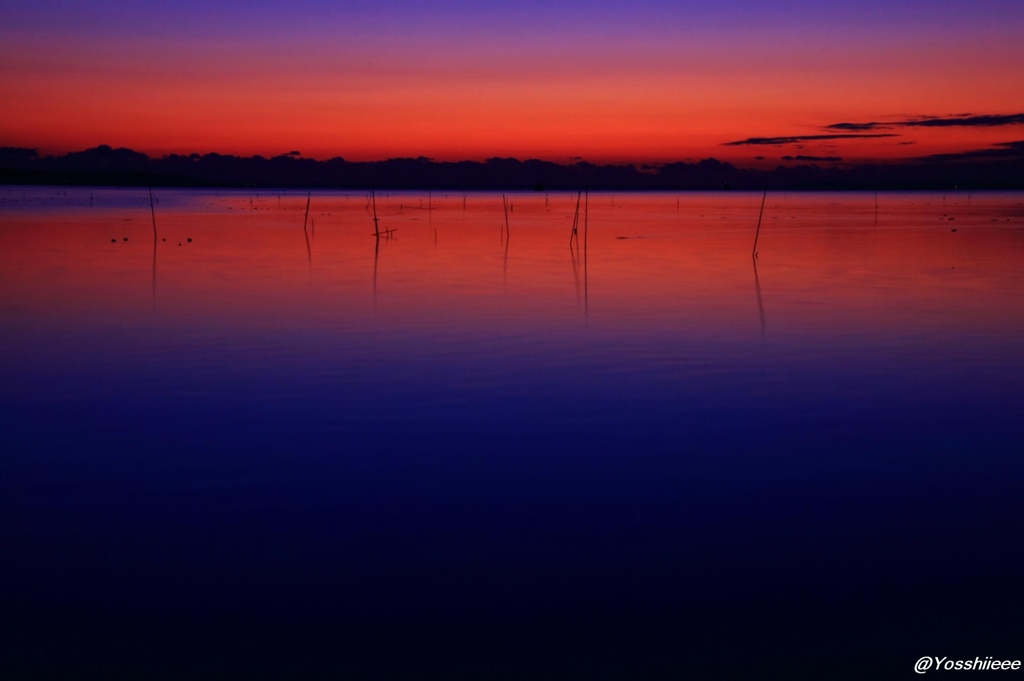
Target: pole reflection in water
pixel 760 303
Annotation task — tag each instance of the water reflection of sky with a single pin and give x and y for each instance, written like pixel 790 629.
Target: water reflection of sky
pixel 510 464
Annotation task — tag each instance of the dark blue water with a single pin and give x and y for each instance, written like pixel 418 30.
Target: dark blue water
pixel 251 471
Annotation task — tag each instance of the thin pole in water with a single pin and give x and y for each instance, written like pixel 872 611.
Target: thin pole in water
pixel 876 210
pixel 309 251
pixel 575 222
pixel 504 266
pixel 152 213
pixel 753 252
pixel 760 302
pixel 376 257
pixel 504 204
pixel 586 215
pixel 586 279
pixel 373 200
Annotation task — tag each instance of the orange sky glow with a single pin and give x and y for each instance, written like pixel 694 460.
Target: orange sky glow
pixel 630 100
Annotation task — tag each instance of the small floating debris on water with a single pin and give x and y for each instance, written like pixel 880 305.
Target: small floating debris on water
pixel 113 241
pixel 631 237
pixel 953 230
pixel 126 238
pixel 190 239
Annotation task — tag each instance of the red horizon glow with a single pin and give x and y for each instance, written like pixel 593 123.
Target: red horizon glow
pixel 631 101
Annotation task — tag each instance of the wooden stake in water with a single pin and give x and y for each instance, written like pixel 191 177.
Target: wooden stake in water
pixel 753 253
pixel 309 251
pixel 376 257
pixel 574 234
pixel 373 200
pixel 760 302
pixel 152 213
pixel 586 215
pixel 586 280
pixel 504 203
pixel 504 266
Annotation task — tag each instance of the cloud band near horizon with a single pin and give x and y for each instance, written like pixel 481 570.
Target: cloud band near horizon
pixel 964 120
pixel 795 139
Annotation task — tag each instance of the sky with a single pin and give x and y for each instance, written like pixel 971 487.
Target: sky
pixel 640 82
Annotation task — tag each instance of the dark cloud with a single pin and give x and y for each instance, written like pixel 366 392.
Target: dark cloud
pixel 968 121
pixel 801 157
pixel 856 127
pixel 801 138
pixel 1001 151
pixel 959 120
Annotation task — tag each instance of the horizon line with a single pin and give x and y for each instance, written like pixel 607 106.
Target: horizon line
pixel 785 158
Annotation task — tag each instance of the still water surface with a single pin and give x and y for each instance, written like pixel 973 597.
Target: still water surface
pixel 245 447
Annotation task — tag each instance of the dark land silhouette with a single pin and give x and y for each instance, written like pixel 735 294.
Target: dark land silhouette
pixel 998 167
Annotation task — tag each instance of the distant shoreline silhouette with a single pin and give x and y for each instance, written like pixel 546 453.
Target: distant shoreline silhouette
pixel 1001 167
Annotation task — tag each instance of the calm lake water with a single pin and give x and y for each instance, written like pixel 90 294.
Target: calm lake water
pixel 244 450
